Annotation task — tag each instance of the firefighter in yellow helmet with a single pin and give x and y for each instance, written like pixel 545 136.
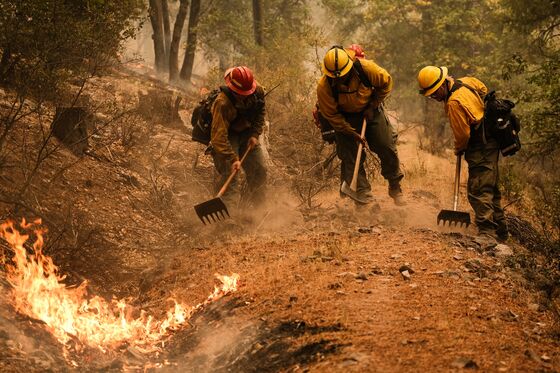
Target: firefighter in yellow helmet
pixel 464 105
pixel 350 89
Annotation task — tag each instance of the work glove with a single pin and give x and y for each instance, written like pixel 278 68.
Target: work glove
pixel 358 138
pixel 253 141
pixel 236 166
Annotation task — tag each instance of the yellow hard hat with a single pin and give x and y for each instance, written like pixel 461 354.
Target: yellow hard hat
pixel 336 63
pixel 430 78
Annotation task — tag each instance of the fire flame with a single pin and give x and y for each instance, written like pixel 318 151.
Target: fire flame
pixel 38 291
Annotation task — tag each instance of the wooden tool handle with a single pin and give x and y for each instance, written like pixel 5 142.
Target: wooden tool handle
pixel 456 186
pixel 354 183
pixel 233 173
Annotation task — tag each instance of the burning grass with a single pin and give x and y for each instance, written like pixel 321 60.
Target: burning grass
pixel 79 321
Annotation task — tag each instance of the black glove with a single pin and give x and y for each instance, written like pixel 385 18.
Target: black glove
pixel 358 138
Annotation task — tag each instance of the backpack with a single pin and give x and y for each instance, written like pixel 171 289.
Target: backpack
pixel 503 124
pixel 327 131
pixel 201 119
pixel 499 120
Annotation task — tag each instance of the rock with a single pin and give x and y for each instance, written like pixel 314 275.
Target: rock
pixel 452 274
pixel 457 257
pixel 361 276
pixel 395 256
pixel 464 363
pixel 534 307
pixel 502 250
pixel 293 298
pixel 405 275
pixel 365 229
pixel 485 242
pixel 376 271
pixel 406 267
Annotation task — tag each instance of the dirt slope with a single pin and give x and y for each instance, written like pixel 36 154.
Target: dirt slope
pixel 322 289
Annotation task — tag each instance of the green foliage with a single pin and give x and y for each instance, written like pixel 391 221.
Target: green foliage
pixel 512 184
pixel 45 43
pixel 537 24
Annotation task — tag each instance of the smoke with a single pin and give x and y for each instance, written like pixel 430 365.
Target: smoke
pixel 217 347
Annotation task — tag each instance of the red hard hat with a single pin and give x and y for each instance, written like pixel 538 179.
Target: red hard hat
pixel 240 80
pixel 358 49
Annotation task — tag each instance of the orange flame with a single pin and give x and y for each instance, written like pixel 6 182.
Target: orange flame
pixel 38 291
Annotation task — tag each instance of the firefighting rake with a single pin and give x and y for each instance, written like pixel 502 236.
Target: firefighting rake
pixel 215 209
pixel 454 217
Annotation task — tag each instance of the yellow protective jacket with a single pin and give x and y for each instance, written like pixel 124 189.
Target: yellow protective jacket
pixel 354 96
pixel 465 109
pixel 237 116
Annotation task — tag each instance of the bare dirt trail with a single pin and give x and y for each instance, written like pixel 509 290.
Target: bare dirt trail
pixel 461 307
pixel 329 289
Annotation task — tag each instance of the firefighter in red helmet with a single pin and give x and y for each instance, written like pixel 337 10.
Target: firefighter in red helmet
pixel 237 122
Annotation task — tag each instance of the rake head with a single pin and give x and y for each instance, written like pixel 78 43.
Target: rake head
pixel 454 218
pixel 212 211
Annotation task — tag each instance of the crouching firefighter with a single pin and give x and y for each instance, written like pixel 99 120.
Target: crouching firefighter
pixel 465 107
pixel 350 90
pixel 237 122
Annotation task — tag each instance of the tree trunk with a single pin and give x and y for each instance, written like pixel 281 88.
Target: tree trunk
pixel 258 22
pixel 176 40
pixel 186 69
pixel 166 27
pixel 156 19
pixel 6 55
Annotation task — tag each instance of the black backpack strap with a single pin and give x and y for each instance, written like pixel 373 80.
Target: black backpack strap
pixel 357 66
pixel 458 84
pixel 228 93
pixel 334 88
pixel 361 74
